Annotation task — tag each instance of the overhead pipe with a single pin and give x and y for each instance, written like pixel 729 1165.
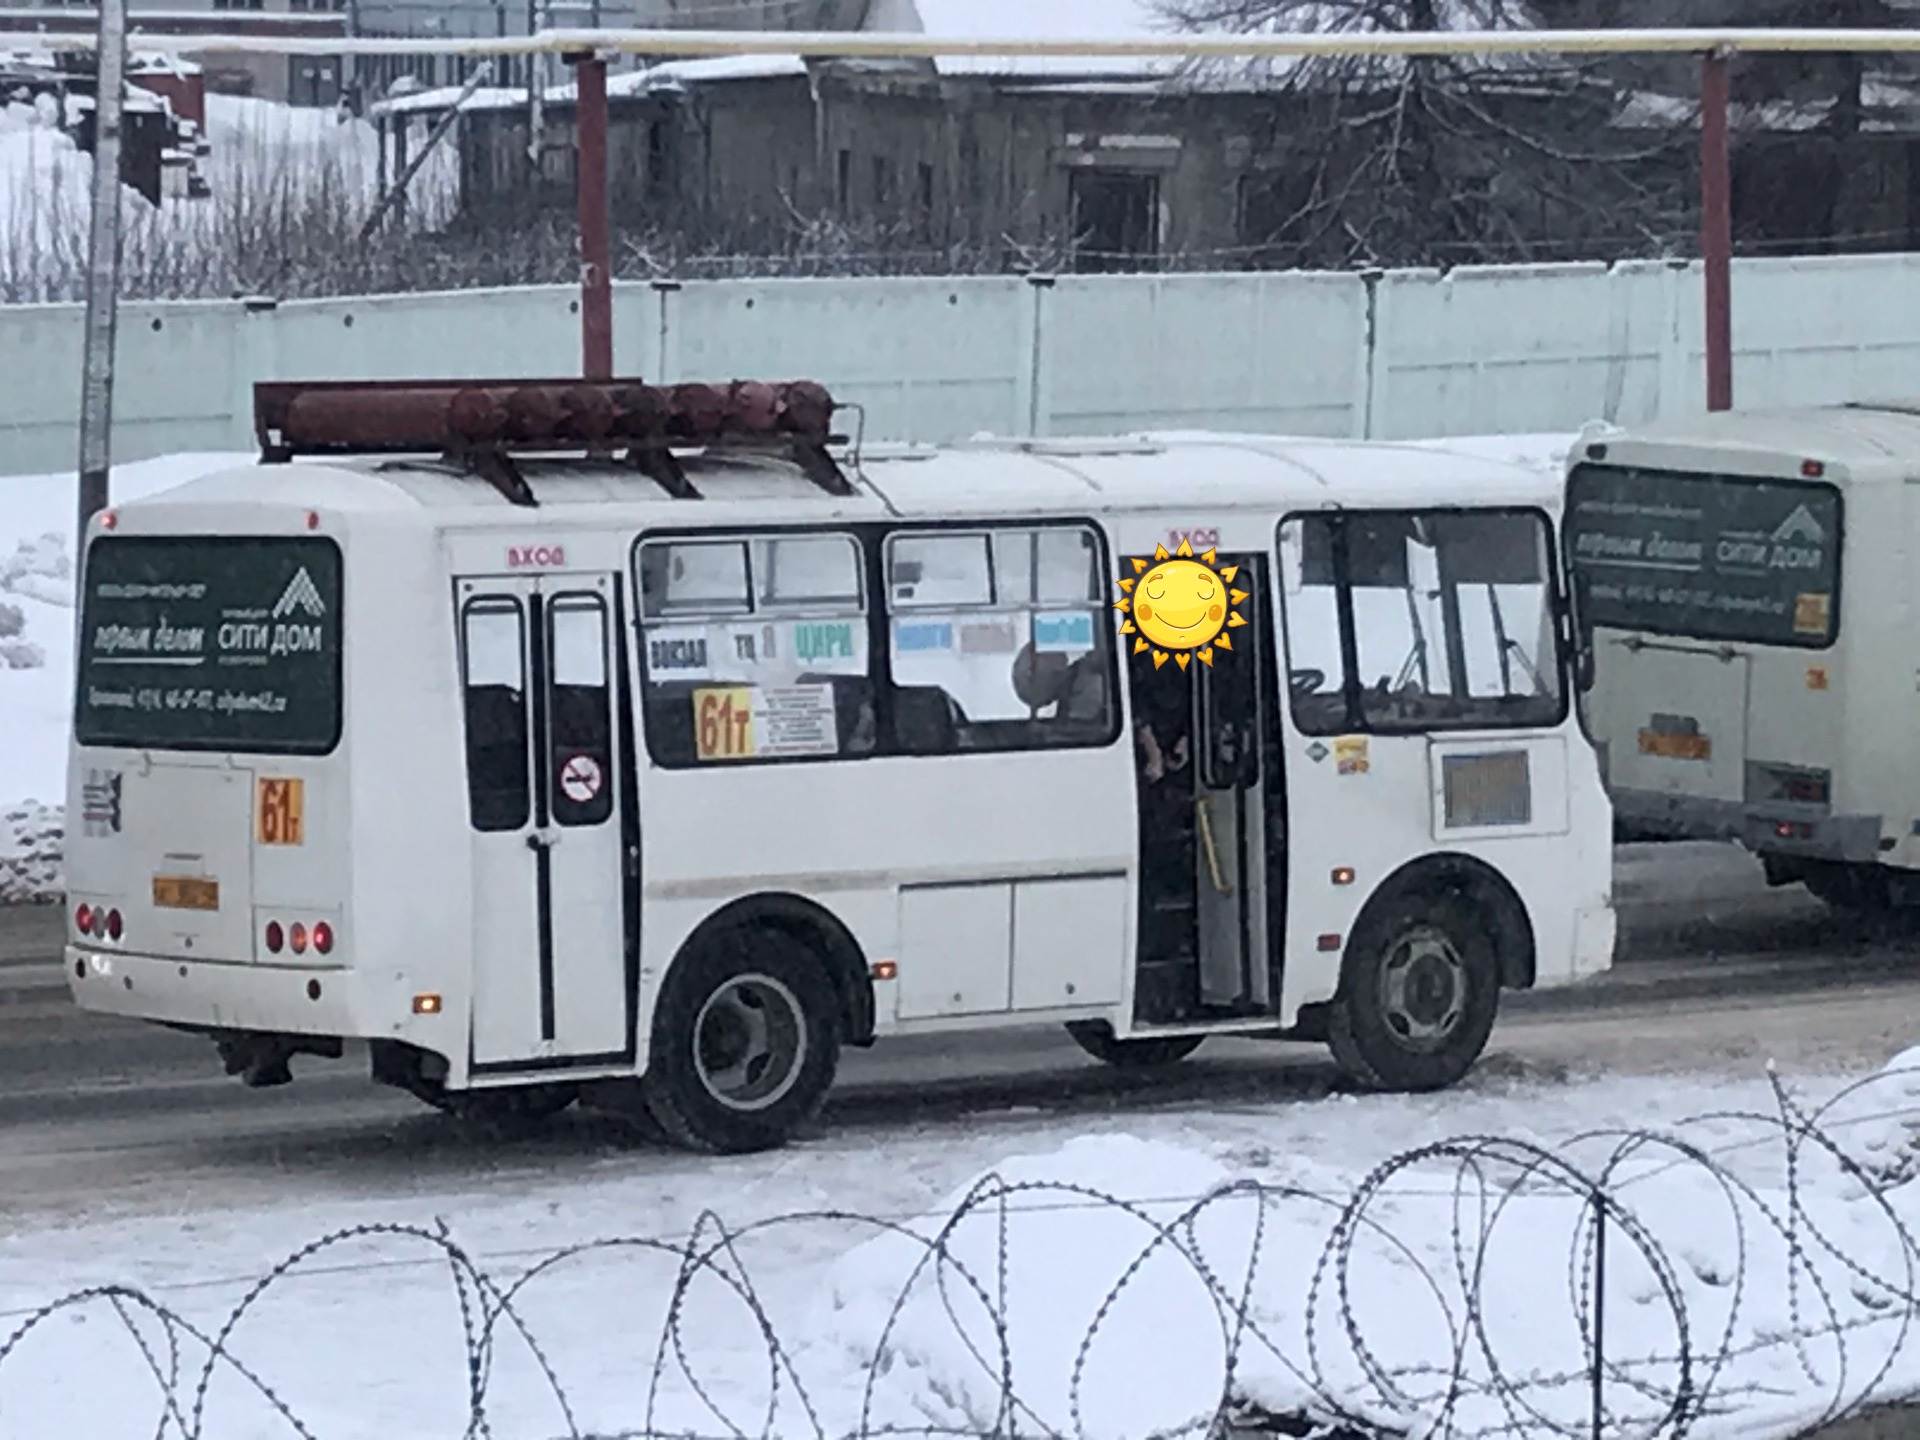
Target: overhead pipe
pixel 884 45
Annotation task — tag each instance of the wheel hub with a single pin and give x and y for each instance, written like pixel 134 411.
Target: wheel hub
pixel 1424 989
pixel 750 1042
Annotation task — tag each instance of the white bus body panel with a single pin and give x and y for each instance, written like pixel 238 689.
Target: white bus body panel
pixel 1003 886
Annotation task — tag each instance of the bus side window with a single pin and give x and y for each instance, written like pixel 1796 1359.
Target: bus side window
pixel 1001 639
pixel 1315 672
pixel 494 686
pixel 755 648
pixel 580 729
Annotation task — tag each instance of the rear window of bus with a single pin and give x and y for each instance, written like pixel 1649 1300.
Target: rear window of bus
pixel 1706 557
pixel 210 643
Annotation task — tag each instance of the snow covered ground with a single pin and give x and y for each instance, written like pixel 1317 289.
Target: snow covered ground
pixel 266 159
pixel 1108 1277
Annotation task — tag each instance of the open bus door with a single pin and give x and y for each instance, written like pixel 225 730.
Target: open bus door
pixel 1212 820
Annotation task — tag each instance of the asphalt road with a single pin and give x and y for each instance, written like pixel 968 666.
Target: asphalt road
pixel 1715 973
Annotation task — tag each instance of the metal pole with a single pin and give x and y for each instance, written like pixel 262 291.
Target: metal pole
pixel 103 266
pixel 1716 227
pixel 596 224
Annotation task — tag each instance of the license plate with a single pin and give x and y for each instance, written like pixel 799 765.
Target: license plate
pixel 1676 747
pixel 185 892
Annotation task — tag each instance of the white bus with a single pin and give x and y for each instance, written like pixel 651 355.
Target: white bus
pixel 1730 693
pixel 653 774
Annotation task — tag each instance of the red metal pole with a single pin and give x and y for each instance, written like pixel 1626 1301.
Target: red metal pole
pixel 1716 228
pixel 596 224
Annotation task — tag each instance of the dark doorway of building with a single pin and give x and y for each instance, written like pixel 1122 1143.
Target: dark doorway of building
pixel 1116 220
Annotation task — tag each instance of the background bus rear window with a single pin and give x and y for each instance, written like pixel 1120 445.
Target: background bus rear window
pixel 206 643
pixel 1706 557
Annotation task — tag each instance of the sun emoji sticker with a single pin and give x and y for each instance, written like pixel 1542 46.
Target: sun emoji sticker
pixel 1180 605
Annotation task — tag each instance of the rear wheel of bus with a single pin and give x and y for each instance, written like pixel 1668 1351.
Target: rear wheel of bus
pixel 746 1041
pixel 1418 994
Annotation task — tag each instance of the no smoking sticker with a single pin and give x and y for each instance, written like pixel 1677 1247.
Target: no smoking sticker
pixel 580 779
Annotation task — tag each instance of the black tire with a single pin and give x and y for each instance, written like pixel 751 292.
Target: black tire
pixel 1863 889
pixel 1418 994
pixel 746 1042
pixel 1143 1053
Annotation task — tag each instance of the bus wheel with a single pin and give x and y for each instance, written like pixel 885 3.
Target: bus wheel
pixel 1096 1038
pixel 1862 888
pixel 1417 995
pixel 746 1040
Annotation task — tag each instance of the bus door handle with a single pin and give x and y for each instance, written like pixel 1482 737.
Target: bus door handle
pixel 543 840
pixel 1205 816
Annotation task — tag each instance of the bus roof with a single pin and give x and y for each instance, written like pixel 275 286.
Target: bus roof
pixel 1151 472
pixel 1873 440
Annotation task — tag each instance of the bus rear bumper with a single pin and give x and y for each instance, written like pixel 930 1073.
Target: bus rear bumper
pixel 1594 935
pixel 202 994
pixel 1780 830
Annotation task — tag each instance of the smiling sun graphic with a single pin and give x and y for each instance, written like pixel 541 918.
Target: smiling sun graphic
pixel 1181 605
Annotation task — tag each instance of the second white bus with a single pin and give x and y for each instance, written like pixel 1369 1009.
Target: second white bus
pixel 653 777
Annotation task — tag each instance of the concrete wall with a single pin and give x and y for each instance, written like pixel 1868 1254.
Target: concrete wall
pixel 1407 354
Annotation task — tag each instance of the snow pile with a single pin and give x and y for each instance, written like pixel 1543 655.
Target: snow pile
pixel 1110 1286
pixel 267 160
pixel 1089 1291
pixel 31 836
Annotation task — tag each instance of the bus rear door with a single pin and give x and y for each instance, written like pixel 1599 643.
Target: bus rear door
pixel 552 853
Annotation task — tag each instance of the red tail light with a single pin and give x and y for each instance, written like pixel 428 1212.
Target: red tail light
pixel 322 938
pixel 83 919
pixel 276 937
pixel 297 938
pixel 114 927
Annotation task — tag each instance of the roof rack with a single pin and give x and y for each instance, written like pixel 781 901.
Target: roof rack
pixel 480 425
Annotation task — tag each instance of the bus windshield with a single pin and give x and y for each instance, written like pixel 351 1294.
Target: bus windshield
pixel 210 643
pixel 1422 620
pixel 1708 557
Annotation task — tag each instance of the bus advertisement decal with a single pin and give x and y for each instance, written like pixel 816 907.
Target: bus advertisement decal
pixel 1067 632
pixel 1350 755
pixel 280 812
pixel 750 722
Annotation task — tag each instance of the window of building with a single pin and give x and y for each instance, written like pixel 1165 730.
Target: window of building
pixel 1000 639
pixel 1116 219
pixel 923 201
pixel 1421 620
pixel 754 648
pixel 843 181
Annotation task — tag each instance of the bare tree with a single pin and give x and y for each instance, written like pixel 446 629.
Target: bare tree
pixel 1441 160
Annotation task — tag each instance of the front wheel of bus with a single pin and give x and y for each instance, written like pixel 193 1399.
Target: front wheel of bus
pixel 746 1040
pixel 1418 995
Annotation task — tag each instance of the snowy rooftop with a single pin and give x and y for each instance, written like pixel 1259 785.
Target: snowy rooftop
pixel 1012 20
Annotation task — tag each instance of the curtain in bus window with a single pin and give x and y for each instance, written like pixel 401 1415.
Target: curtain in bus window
pixel 580 717
pixel 494 686
pixel 1000 639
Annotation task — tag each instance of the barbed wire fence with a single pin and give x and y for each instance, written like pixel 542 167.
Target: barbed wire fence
pixel 1810 1313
